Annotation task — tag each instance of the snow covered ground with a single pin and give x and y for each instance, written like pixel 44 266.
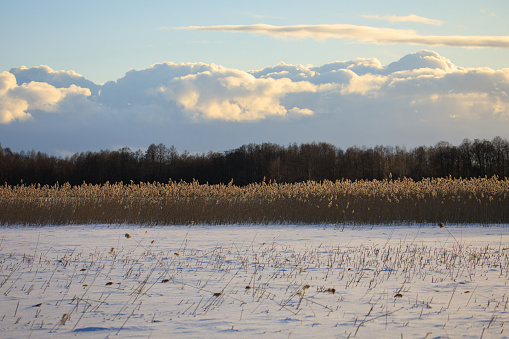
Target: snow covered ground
pixel 244 281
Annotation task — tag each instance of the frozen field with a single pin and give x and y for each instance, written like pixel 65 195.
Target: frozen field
pixel 247 281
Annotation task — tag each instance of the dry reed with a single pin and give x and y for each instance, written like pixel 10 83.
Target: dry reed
pixel 478 200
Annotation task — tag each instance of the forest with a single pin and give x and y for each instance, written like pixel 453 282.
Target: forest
pixel 254 163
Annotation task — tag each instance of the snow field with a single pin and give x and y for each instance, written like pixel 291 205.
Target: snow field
pixel 246 281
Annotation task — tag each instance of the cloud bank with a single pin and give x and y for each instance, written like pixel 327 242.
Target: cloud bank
pixel 419 99
pixel 364 34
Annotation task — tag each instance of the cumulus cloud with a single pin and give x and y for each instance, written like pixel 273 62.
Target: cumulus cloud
pixel 11 108
pixel 135 86
pixel 201 91
pixel 420 60
pixel 198 91
pixel 364 84
pixel 283 70
pixel 359 66
pixel 58 79
pixel 16 101
pixel 408 18
pixel 364 34
pixel 422 94
pixel 232 95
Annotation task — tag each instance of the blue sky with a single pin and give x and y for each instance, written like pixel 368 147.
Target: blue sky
pixel 205 75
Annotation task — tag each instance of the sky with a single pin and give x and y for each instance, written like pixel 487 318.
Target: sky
pixel 212 76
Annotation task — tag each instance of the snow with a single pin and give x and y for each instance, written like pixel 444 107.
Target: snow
pixel 325 281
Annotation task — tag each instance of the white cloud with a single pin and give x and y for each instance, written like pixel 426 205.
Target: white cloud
pixel 43 96
pixel 11 108
pixel 359 66
pixel 367 84
pixel 135 87
pixel 303 111
pixel 419 60
pixel 283 70
pixel 198 91
pixel 364 34
pixel 58 79
pixel 408 18
pixel 470 109
pixel 231 95
pixel 16 101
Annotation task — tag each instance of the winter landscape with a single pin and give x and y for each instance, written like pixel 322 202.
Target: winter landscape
pixel 282 281
pixel 242 169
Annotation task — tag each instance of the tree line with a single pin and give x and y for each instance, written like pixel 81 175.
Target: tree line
pixel 259 162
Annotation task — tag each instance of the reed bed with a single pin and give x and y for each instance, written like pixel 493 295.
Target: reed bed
pixel 476 200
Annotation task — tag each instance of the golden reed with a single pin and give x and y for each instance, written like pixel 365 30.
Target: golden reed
pixel 478 200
